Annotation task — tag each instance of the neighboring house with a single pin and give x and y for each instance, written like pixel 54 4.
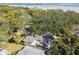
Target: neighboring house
pixel 4 52
pixel 75 30
pixel 27 28
pixel 55 37
pixel 2 13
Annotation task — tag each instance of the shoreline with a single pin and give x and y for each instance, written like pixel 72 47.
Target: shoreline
pixel 45 7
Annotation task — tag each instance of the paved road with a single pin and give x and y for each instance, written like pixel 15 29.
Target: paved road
pixel 28 50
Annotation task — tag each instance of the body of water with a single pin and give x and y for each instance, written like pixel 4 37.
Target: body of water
pixel 63 6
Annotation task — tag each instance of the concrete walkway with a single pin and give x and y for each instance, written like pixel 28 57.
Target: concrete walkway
pixel 28 50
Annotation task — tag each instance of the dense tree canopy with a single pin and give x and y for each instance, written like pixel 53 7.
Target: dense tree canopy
pixel 57 22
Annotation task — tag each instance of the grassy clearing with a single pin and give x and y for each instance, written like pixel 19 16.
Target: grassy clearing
pixel 12 48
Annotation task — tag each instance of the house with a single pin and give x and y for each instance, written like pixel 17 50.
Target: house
pixel 35 43
pixel 30 40
pixel 41 40
pixel 75 30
